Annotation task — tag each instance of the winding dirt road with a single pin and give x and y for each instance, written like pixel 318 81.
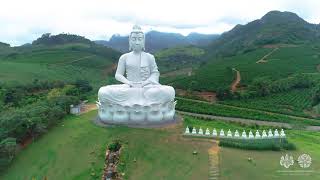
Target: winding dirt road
pixel 236 82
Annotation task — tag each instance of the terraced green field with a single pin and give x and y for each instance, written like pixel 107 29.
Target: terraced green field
pixel 281 63
pixel 294 102
pixel 55 63
pixel 229 111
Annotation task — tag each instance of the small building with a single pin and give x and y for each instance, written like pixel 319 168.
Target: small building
pixel 75 109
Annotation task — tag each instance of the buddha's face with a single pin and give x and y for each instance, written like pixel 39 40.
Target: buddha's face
pixel 137 41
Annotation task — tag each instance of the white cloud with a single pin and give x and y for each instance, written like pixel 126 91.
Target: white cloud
pixel 23 21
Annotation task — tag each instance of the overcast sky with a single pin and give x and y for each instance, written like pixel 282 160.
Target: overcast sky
pixel 22 21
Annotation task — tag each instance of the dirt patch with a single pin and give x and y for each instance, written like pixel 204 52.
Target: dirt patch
pixel 88 107
pixel 110 167
pixel 208 96
pixel 205 95
pixel 107 71
pixel 26 142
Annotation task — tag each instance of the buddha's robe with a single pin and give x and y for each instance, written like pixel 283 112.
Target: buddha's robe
pixel 137 69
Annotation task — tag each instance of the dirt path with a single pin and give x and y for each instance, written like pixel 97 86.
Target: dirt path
pixel 263 59
pixel 63 63
pixel 213 153
pixel 88 107
pixel 236 82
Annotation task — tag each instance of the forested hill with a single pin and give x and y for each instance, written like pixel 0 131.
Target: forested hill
pixel 156 41
pixel 273 28
pixel 48 39
pixel 4 44
pixel 64 57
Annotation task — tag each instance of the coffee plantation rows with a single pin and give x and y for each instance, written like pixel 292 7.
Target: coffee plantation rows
pixel 229 111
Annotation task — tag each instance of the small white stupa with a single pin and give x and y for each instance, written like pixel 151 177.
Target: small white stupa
pixel 222 133
pixel 187 130
pixel 257 134
pixel 214 132
pixel 264 134
pixel 236 134
pixel 270 135
pixel 194 131
pixel 251 135
pixel 282 134
pixel 207 132
pixel 276 133
pixel 244 134
pixel 229 134
pixel 200 131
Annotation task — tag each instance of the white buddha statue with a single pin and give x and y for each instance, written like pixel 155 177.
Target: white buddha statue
pixel 141 98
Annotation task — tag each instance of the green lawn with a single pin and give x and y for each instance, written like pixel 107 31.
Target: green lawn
pixel 74 150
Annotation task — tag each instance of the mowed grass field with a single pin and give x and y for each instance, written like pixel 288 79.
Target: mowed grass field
pixel 75 150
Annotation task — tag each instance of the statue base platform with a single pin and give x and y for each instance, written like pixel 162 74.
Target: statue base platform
pixel 160 124
pixel 137 113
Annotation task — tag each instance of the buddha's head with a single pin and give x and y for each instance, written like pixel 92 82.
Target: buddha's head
pixel 136 39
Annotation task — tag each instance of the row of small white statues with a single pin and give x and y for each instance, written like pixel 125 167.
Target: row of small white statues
pixel 257 135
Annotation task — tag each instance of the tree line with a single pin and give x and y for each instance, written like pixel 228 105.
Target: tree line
pixel 30 110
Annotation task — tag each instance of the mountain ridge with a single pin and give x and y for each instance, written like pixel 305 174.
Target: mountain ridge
pixel 156 40
pixel 275 27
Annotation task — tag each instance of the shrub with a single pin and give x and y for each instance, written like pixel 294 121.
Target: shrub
pixel 115 145
pixel 258 144
pixel 7 152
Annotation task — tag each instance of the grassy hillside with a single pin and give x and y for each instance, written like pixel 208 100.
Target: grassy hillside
pixel 273 28
pixel 294 102
pixel 283 62
pixel 75 150
pixel 177 58
pixel 242 112
pixel 58 62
